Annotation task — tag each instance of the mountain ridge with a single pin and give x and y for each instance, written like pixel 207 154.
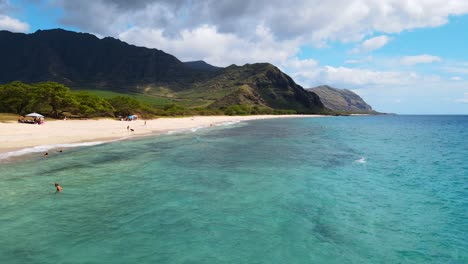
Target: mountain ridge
pixel 84 61
pixel 202 65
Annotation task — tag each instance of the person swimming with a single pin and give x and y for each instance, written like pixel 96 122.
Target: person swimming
pixel 46 154
pixel 58 187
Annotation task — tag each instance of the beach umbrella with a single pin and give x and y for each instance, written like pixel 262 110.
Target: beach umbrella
pixel 34 115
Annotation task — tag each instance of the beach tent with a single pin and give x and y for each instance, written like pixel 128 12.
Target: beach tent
pixel 34 115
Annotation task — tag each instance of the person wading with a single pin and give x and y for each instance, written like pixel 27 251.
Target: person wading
pixel 58 187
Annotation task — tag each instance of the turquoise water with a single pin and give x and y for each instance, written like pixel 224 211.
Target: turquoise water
pixel 384 189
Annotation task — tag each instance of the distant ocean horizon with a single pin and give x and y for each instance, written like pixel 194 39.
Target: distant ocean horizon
pixel 361 189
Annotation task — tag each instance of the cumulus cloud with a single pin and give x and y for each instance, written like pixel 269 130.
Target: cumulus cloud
pixel 313 74
pixel 371 44
pixel 298 64
pixel 221 49
pixel 425 58
pixel 106 17
pixel 357 77
pixel 456 78
pixel 310 74
pixel 7 22
pixel 414 93
pixel 12 24
pixel 313 21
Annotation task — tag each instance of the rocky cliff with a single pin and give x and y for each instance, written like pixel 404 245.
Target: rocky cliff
pixel 342 100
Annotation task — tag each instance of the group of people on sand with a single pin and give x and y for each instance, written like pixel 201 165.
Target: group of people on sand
pixel 57 185
pixel 128 118
pixel 133 130
pixel 36 120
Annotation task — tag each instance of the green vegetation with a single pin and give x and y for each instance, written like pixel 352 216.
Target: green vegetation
pixel 262 85
pixel 255 110
pixel 151 81
pixel 56 100
pixel 52 99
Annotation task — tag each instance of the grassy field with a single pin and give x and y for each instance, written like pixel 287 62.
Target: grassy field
pixel 6 118
pixel 187 99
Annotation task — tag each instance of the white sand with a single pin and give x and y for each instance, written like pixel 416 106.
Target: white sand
pixel 16 136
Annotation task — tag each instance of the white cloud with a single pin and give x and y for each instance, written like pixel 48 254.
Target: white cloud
pixel 12 24
pixel 463 100
pixel 358 78
pixel 371 44
pixel 313 21
pixel 424 58
pixel 414 93
pixel 300 64
pixel 456 78
pixel 221 49
pixel 362 77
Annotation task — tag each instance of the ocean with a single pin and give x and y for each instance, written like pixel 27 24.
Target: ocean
pixel 361 189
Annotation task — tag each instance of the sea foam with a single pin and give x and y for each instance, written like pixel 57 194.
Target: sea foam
pixel 45 148
pixel 361 160
pixel 195 129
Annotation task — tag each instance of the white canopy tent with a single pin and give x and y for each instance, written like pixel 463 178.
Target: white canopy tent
pixel 34 115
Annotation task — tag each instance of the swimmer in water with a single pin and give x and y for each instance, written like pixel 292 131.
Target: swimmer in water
pixel 46 154
pixel 58 187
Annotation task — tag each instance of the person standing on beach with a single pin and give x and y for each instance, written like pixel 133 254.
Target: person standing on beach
pixel 128 128
pixel 58 187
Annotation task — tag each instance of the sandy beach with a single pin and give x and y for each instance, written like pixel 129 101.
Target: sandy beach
pixel 18 136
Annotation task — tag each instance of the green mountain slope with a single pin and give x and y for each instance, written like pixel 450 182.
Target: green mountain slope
pixel 83 61
pixel 261 84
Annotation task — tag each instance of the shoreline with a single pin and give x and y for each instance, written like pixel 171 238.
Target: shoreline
pixel 20 139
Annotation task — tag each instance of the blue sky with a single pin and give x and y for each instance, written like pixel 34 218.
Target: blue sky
pixel 406 57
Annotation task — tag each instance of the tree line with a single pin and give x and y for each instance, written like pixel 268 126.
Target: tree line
pixel 57 101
